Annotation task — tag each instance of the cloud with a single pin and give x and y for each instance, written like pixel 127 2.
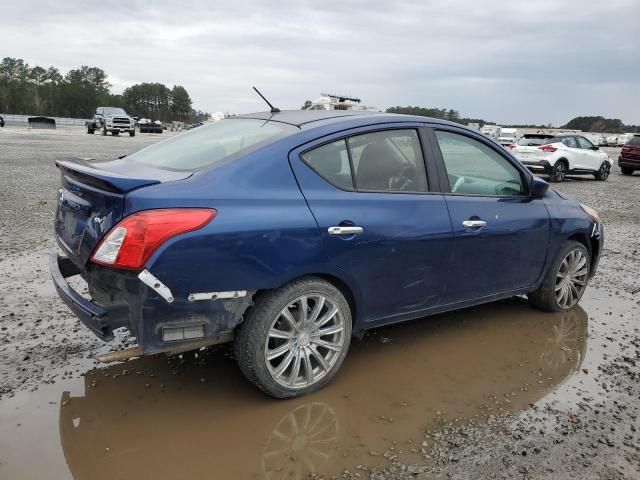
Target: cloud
pixel 518 62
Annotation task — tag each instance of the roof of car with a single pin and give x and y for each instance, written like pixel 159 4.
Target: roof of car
pixel 305 117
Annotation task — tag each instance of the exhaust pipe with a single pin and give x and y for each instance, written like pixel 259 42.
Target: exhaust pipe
pixel 119 355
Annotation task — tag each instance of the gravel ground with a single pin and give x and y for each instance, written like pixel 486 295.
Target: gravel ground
pixel 586 428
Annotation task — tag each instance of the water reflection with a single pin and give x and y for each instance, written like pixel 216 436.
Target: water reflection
pixel 151 418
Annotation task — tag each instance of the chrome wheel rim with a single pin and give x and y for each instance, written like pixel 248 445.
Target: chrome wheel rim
pixel 560 173
pixel 305 341
pixel 571 279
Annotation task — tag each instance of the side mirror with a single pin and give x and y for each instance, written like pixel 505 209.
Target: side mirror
pixel 538 188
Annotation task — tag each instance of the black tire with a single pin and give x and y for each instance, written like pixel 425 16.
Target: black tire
pixel 559 171
pixel 132 133
pixel 544 297
pixel 627 170
pixel 251 336
pixel 104 131
pixel 89 130
pixel 115 133
pixel 603 173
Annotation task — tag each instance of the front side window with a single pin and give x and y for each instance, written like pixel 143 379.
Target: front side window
pixel 210 144
pixel 584 143
pixel 475 169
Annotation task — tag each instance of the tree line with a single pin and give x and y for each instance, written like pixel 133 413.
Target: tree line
pixel 586 124
pixel 34 90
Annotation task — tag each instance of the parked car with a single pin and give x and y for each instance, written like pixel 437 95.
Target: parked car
pixel 111 119
pixel 147 126
pixel 290 232
pixel 629 159
pixel 561 155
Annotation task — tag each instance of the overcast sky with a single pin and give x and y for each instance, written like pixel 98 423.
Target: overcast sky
pixel 507 61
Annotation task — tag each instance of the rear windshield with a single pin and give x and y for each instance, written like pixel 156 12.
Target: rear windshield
pixel 533 141
pixel 635 140
pixel 209 144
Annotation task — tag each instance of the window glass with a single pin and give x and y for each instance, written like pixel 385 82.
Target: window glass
pixel 584 143
pixel 569 142
pixel 634 141
pixel 331 162
pixel 533 140
pixel 474 168
pixel 212 143
pixel 388 161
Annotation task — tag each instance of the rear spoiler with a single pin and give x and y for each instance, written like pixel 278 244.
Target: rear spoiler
pixel 110 175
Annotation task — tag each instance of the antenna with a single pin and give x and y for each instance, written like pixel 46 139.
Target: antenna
pixel 273 109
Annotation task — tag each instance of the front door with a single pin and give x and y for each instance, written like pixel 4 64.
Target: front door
pixel 501 235
pixel 379 223
pixel 590 158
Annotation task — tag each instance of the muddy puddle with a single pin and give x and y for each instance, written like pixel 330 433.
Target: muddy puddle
pixel 196 417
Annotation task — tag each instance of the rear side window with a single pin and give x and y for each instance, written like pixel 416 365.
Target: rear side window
pixel 384 161
pixel 475 169
pixel 569 142
pixel 331 162
pixel 210 144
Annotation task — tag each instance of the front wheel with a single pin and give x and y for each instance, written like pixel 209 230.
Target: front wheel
pixel 565 280
pixel 294 339
pixel 603 173
pixel 132 133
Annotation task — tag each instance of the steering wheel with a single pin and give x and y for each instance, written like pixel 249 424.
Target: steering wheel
pixel 458 184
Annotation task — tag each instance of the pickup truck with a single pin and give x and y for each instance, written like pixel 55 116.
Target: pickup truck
pixel 111 119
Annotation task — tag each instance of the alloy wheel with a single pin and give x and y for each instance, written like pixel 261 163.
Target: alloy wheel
pixel 304 341
pixel 560 172
pixel 571 279
pixel 605 169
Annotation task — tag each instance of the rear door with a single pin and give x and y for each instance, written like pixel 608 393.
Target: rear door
pixel 501 235
pixel 379 221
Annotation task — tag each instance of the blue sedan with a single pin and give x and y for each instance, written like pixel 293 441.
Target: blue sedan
pixel 288 233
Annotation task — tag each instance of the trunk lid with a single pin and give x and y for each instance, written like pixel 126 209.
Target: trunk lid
pixel 91 199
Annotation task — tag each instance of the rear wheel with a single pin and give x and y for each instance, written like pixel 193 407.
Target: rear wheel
pixel 132 133
pixel 565 280
pixel 294 339
pixel 559 171
pixel 603 173
pixel 626 170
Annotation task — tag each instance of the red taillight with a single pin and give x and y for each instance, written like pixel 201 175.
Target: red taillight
pixel 133 240
pixel 547 148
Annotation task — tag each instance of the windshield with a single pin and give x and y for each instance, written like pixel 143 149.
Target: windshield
pixel 114 111
pixel 533 141
pixel 506 135
pixel 209 144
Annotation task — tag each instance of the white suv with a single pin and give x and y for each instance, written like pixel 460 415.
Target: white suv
pixel 559 155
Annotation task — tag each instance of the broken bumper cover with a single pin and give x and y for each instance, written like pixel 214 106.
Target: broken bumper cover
pixel 148 309
pixel 92 315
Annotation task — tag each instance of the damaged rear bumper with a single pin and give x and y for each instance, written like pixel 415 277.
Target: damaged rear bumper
pixel 161 320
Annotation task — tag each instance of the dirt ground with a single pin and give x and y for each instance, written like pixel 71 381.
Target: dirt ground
pixel 499 391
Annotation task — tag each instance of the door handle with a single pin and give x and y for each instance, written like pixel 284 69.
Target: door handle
pixel 344 230
pixel 474 223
